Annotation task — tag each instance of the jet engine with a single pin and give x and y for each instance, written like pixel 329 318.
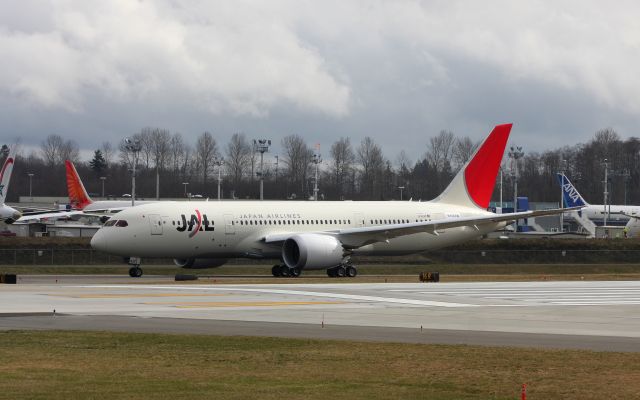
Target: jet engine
pixel 312 251
pixel 199 263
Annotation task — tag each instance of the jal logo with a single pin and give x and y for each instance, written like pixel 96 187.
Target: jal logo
pixel 195 223
pixel 571 192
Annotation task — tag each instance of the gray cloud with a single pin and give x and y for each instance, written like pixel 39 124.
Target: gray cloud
pixel 396 71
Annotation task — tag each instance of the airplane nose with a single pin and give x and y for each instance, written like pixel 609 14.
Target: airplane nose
pixel 99 241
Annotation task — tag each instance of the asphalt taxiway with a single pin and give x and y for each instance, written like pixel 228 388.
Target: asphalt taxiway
pixel 603 315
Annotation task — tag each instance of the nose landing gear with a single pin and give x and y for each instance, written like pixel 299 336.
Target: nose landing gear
pixel 135 271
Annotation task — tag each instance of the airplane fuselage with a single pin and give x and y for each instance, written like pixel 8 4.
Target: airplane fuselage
pixel 235 229
pixel 597 212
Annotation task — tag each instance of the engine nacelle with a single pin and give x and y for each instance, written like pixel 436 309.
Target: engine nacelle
pixel 199 263
pixel 312 251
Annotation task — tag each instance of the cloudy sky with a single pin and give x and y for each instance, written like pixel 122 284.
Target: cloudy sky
pixel 398 71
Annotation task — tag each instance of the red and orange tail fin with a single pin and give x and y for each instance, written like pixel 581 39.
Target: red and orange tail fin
pixel 78 197
pixel 473 185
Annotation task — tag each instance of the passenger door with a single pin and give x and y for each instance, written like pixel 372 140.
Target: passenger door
pixel 229 229
pixel 358 219
pixel 155 224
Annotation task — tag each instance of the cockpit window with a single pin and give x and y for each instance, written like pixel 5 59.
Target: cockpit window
pixel 122 223
pixel 111 222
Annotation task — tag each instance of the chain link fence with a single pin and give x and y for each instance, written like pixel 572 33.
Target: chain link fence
pixel 66 257
pixel 92 257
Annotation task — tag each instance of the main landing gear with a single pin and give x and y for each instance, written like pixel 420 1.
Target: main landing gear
pixel 342 271
pixel 284 271
pixel 135 271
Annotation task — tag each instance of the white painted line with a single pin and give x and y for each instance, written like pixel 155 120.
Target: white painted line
pixel 303 293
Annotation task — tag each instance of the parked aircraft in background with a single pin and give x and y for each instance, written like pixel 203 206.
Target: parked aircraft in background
pixel 79 198
pixel 595 212
pixel 7 214
pixel 313 235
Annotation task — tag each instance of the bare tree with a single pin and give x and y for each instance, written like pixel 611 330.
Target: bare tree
pixel 206 150
pixel 370 157
pixel 51 148
pixel 107 152
pixel 160 139
pixel 463 149
pixel 297 158
pixel 342 159
pixel 69 151
pixel 146 146
pixel 176 152
pixel 238 157
pixel 439 150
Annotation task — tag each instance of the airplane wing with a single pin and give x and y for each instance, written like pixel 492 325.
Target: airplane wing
pixel 628 215
pixel 51 216
pixel 358 237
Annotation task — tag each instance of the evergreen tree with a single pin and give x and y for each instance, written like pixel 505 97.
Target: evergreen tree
pixel 98 164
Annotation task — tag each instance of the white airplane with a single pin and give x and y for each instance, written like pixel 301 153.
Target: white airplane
pixel 81 203
pixel 80 200
pixel 7 214
pixel 313 235
pixel 594 212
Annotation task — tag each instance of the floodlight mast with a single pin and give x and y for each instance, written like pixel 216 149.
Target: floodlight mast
pixel 515 153
pixel 133 146
pixel 261 146
pixel 219 161
pixel 317 159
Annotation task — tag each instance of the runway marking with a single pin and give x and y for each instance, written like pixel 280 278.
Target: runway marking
pixel 133 296
pixel 378 299
pixel 202 304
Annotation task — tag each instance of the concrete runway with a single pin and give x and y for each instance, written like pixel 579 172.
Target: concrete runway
pixel 584 315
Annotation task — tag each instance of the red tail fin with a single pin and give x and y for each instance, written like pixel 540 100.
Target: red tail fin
pixel 78 197
pixel 473 185
pixel 480 174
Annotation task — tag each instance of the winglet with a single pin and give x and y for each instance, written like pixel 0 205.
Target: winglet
pixel 570 194
pixel 473 185
pixel 78 197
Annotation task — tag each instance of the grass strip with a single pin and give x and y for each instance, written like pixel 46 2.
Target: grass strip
pixel 104 365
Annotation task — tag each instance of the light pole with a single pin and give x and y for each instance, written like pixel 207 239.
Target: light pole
pixel 515 153
pixel 30 185
pixel 277 161
pixel 401 189
pixel 219 161
pixel 606 189
pixel 261 146
pixel 103 178
pixel 185 188
pixel 134 147
pixel 563 168
pixel 501 190
pixel 317 159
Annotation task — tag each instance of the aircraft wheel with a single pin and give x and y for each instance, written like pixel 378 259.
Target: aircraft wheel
pixel 138 272
pixel 284 271
pixel 341 271
pixel 275 271
pixel 295 272
pixel 351 271
pixel 135 272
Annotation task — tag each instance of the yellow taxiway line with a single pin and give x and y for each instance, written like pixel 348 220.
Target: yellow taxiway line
pixel 201 304
pixel 134 296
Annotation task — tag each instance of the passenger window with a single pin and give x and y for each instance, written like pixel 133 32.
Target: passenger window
pixel 122 223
